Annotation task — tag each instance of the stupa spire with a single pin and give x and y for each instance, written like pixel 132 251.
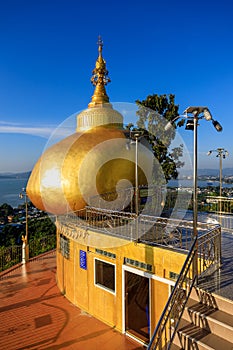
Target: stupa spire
pixel 99 79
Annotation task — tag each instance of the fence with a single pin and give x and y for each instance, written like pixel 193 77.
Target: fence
pixel 216 204
pixel 173 233
pixel 10 256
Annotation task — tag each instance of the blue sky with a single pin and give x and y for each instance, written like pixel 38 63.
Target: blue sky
pixel 48 51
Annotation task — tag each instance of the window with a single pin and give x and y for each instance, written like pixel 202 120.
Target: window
pixel 65 246
pixel 105 275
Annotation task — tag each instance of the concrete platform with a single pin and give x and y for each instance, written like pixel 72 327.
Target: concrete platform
pixel 34 314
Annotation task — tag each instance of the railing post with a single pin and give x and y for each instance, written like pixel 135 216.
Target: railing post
pixel 195 263
pixel 25 252
pixel 220 247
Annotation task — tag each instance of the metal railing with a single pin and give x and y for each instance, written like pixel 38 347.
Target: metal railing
pixel 219 209
pixel 208 250
pixel 166 328
pixel 216 204
pixel 124 199
pixel 11 256
pixel 148 229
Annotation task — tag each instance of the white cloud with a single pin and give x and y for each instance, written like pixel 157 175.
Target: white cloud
pixel 14 128
pixel 46 131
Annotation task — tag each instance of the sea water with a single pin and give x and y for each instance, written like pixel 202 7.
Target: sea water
pixel 10 190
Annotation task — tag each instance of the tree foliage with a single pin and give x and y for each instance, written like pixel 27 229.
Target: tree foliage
pixel 5 210
pixel 153 115
pixel 41 227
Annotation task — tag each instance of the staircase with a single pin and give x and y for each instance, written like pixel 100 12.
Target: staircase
pixel 207 323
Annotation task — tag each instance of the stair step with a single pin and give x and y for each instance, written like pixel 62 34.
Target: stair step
pixel 194 337
pixel 175 347
pixel 216 321
pixel 212 300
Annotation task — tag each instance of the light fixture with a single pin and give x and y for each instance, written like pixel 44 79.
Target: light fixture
pixel 189 124
pixel 207 115
pixel 217 125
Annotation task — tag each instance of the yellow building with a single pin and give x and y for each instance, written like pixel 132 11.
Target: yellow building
pixel 102 265
pixel 123 283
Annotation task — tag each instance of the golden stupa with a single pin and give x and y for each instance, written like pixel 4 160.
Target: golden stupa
pixel 92 161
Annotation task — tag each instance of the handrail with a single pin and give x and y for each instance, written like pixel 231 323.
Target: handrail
pixel 175 305
pixel 155 230
pixel 219 205
pixel 209 259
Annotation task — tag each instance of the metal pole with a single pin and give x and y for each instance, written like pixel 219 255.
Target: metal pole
pixel 195 233
pixel 220 173
pixel 136 186
pixel 26 213
pixel 136 177
pixel 195 177
pixel 220 184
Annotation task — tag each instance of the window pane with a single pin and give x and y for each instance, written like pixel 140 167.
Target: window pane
pixel 105 274
pixel 64 246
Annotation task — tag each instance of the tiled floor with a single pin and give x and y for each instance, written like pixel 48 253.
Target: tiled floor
pixel 34 315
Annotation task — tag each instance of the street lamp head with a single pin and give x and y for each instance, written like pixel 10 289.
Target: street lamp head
pixel 195 110
pixel 189 124
pixel 217 125
pixel 135 134
pixel 207 115
pixel 221 152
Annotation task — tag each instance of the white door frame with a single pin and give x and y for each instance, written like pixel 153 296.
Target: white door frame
pixel 148 275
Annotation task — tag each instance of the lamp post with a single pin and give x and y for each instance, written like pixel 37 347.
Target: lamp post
pixel 25 252
pixel 196 113
pixel 222 154
pixel 135 136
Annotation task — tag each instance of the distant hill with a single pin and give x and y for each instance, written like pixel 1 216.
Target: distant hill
pixel 201 172
pixel 24 175
pixel 215 172
pixel 207 172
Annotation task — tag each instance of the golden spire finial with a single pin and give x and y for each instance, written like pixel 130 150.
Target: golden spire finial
pixel 100 45
pixel 99 79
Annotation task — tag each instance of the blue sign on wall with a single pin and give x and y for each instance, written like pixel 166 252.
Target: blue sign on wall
pixel 83 259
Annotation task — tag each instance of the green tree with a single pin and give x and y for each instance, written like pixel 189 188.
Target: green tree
pixel 153 114
pixel 41 227
pixel 5 211
pixel 11 234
